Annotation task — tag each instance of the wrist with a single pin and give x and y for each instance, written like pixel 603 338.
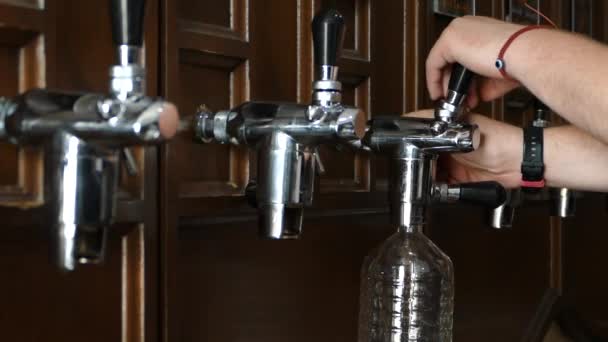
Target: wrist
pixel 513 156
pixel 525 53
pixel 500 152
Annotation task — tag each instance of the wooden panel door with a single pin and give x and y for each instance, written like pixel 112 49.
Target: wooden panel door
pixel 22 47
pixel 221 283
pixel 65 44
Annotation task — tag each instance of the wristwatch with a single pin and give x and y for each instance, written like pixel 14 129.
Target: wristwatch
pixel 533 166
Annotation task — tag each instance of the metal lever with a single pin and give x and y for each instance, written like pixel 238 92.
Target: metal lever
pixel 488 194
pixel 129 162
pixel 319 163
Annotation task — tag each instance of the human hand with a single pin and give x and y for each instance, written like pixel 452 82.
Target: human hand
pixel 498 157
pixel 475 43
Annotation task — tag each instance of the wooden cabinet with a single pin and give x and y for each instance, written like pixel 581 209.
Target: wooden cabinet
pixel 184 262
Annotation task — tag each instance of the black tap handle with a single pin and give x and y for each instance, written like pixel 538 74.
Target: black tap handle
pixel 328 36
pixel 127 21
pixel 460 80
pixel 488 194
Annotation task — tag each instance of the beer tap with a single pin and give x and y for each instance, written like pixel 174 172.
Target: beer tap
pixel 286 136
pixel 562 200
pixel 413 145
pixel 407 287
pixel 84 136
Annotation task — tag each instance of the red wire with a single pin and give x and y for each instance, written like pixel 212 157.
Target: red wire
pixel 539 13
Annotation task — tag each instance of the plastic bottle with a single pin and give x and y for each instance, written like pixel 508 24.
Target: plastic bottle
pixel 407 291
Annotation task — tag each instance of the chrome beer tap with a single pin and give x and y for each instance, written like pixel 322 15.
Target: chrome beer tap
pixel 562 200
pixel 407 286
pixel 286 136
pixel 84 136
pixel 413 145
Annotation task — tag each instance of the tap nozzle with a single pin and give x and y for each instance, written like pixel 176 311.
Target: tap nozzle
pixel 563 203
pixel 286 171
pixel 503 216
pixel 84 176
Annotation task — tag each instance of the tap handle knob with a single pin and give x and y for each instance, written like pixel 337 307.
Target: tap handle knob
pixel 488 194
pixel 460 80
pixel 328 36
pixel 127 21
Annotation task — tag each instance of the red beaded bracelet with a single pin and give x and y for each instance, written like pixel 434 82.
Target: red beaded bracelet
pixel 500 61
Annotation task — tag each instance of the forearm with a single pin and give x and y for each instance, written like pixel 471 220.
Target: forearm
pixel 566 71
pixel 574 159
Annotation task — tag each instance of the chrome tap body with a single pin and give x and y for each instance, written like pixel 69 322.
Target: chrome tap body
pixel 286 136
pixel 85 135
pixel 413 144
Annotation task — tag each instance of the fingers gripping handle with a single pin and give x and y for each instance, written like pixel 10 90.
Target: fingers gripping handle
pixel 127 21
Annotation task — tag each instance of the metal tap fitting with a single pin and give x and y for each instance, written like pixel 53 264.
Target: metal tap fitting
pixel 85 136
pixel 286 136
pixel 413 145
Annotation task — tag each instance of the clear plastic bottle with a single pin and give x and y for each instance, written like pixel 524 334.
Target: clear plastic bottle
pixel 407 291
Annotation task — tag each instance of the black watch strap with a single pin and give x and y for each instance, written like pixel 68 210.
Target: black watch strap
pixel 533 166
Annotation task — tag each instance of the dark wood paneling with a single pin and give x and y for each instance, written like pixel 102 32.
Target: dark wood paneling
pixel 94 46
pixel 274 51
pixel 22 43
pixel 24 3
pixel 584 252
pixel 501 275
pixel 42 304
pixel 235 286
pixel 220 283
pixel 215 89
pixel 584 285
pixel 9 61
pixel 215 12
pixel 68 46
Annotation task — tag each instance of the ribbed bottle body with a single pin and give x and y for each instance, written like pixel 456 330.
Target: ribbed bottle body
pixel 407 292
